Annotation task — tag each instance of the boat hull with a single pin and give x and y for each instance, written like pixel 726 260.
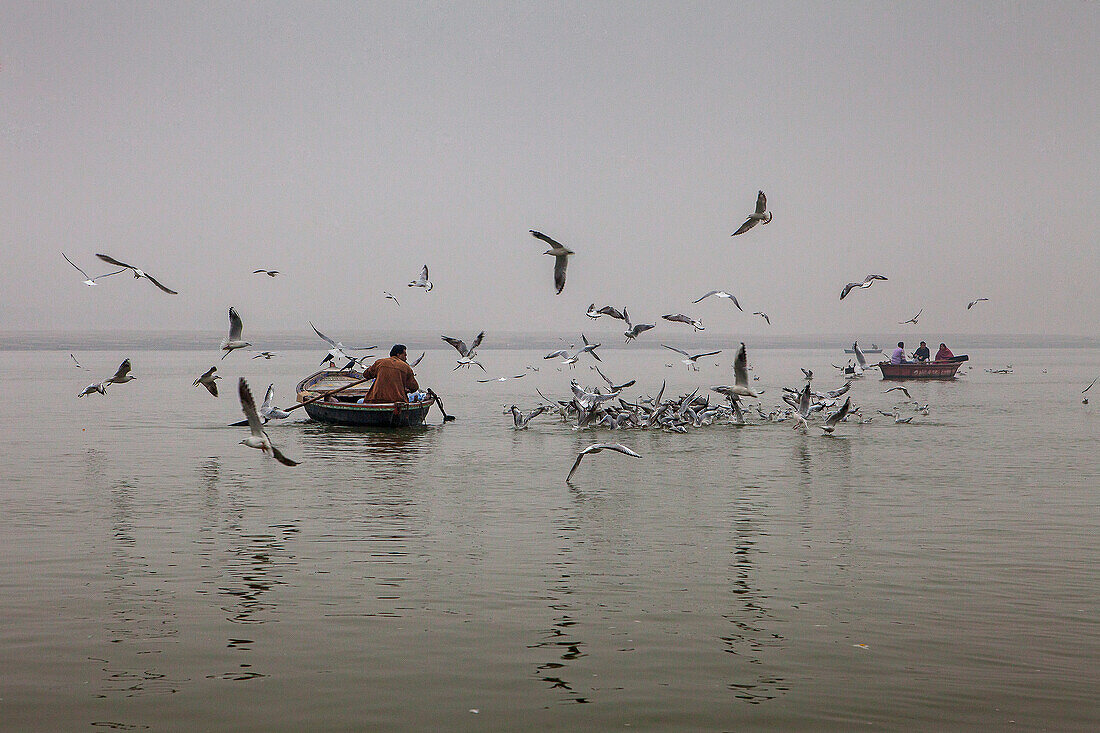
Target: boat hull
pixel 920 370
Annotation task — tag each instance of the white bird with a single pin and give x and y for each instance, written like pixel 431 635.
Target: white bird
pixel 207 380
pixel 807 374
pixel 269 273
pixel 137 272
pixel 763 315
pixel 614 387
pixel 633 330
pixel 561 255
pixel 596 448
pixel 418 359
pixel 589 348
pixel 236 334
pixel 521 420
pixel 613 312
pixel 681 318
pixel 1086 389
pixel 691 358
pixel 90 280
pixel 258 438
pixel 390 296
pixel 264 355
pixel 502 379
pixel 423 281
pixel 78 364
pixel 268 410
pixel 903 390
pixel 760 216
pixel 741 374
pixel 592 312
pixel 466 354
pixel 102 389
pixel 720 294
pixel 832 420
pixel 121 375
pixel 866 283
pixel 338 350
pixel 913 319
pixel 974 302
pixel 898 419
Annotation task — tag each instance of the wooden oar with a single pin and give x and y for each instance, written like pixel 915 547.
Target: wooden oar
pixel 439 404
pixel 330 392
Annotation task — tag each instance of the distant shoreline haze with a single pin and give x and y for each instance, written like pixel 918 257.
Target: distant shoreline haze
pixel 420 340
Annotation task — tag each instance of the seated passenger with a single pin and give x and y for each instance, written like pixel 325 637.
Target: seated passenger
pixel 898 357
pixel 944 354
pixel 921 354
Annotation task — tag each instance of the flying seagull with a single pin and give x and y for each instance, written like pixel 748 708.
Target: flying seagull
pixel 596 448
pixel 122 375
pixel 721 294
pixel 387 294
pixel 1086 389
pixel 337 348
pixel 633 330
pixel 866 283
pixel 608 310
pixel 269 273
pixel 681 318
pixel 502 379
pixel 592 312
pixel 974 302
pixel 90 280
pixel 423 281
pixel 268 410
pixel 207 380
pixel 258 436
pixel 561 255
pixel 236 331
pixel 741 374
pixel 913 319
pixel 101 387
pixel 832 420
pixel 466 354
pixel 763 315
pixel 691 358
pixel 138 273
pixel 903 390
pixel 761 215
pixel 614 387
pixel 264 355
pixel 589 348
pixel 78 364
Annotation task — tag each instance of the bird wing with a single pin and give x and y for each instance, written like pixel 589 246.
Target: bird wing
pixel 741 367
pixel 859 354
pixel 804 401
pixel 677 317
pixel 869 278
pixel 123 370
pixel 236 325
pixel 575 464
pixel 560 263
pixel 268 398
pixel 548 240
pixel 77 362
pixel 82 271
pixel 761 202
pixel 619 448
pixel 608 310
pixel 112 260
pixel 556 354
pixel 156 282
pixel 612 384
pixel 693 357
pixel 1086 389
pixel 678 351
pixel 476 343
pixel 837 416
pixel 749 224
pixel 424 274
pixel 642 327
pixel 324 338
pixel 282 458
pixel 918 314
pixel 211 386
pixel 248 405
pixel 848 288
pixel 418 360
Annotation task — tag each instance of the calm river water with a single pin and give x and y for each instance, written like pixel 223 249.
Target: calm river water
pixel 156 575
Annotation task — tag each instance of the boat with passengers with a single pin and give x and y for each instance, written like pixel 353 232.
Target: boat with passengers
pixel 335 397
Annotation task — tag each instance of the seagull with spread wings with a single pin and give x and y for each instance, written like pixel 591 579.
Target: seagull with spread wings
pixel 207 380
pixel 138 273
pixel 691 358
pixel 596 448
pixel 422 281
pixel 865 283
pixel 913 319
pixel 337 349
pixel 681 318
pixel 236 334
pixel 561 255
pixel 974 302
pixel 258 436
pixel 87 279
pixel 466 354
pixel 760 216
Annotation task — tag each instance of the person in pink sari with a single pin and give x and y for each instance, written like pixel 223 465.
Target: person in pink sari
pixel 944 354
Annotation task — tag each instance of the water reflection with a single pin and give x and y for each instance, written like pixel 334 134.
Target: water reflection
pixel 397 449
pixel 750 637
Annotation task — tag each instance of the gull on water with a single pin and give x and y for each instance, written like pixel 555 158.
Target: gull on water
pixel 681 318
pixel 596 448
pixel 760 216
pixel 466 354
pixel 691 358
pixel 90 280
pixel 561 255
pixel 207 380
pixel 974 302
pixel 913 319
pixel 763 315
pixel 720 294
pixel 138 273
pixel 258 436
pixel 422 281
pixel 865 283
pixel 269 273
pixel 236 334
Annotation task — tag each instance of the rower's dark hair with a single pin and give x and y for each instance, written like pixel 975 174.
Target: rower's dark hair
pixel 397 349
pixel 901 344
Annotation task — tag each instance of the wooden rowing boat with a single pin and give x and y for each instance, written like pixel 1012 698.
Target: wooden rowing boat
pixel 922 369
pixel 342 407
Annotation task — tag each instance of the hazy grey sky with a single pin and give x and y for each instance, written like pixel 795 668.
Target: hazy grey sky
pixel 953 147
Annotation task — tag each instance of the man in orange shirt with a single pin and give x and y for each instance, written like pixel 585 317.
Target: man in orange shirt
pixel 393 377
